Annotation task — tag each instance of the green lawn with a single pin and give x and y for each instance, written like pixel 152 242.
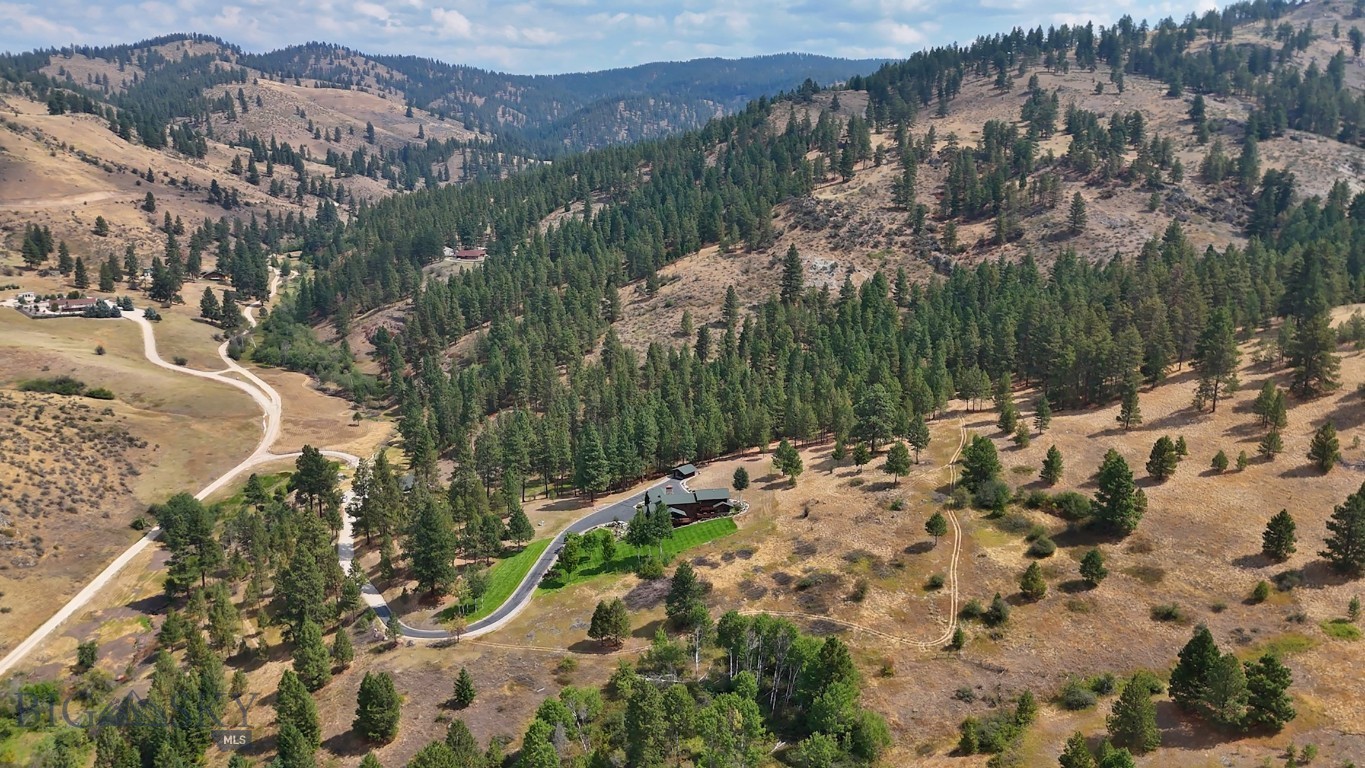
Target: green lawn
pixel 683 539
pixel 503 579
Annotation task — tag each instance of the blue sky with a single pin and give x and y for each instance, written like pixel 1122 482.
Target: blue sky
pixel 544 36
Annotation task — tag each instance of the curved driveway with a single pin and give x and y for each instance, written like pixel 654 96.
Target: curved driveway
pixel 621 510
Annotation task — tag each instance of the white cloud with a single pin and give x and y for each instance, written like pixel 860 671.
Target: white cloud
pixel 453 23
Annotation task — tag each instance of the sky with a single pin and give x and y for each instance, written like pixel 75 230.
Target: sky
pixel 549 36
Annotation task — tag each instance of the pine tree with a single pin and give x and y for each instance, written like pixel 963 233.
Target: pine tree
pixel 1162 462
pixel 980 463
pixel 462 745
pixel 936 526
pixel 1031 584
pixel 1189 683
pixel 1052 466
pixel 1226 698
pixel 1076 753
pixel 1076 219
pixel 1092 567
pixel 1312 355
pixel 312 662
pixel 610 622
pixel 431 547
pixel 1220 461
pixel 897 461
pixel 740 480
pixel 1132 722
pixel 646 726
pixel 343 652
pixel 793 276
pixel 292 748
pixel 1268 703
pixel 1130 410
pixel 294 707
pixel 1324 450
pixel 1265 401
pixel 1345 545
pixel 378 708
pixel 592 473
pixel 861 455
pixel 918 435
pixel 684 591
pixel 1042 415
pixel 519 528
pixel 1215 360
pixel 1271 445
pixel 1119 503
pixel 82 279
pixel 464 689
pixel 208 306
pixel 787 461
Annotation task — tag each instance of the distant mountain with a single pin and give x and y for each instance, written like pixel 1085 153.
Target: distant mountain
pixel 570 111
pixel 166 78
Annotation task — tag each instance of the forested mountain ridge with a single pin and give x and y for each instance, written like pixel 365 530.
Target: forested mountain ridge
pixel 214 123
pixel 547 298
pixel 573 111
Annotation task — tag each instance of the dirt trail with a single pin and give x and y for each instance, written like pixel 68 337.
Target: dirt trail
pixel 61 201
pixel 951 581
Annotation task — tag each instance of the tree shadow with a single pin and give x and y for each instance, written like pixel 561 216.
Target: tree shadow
pixel 1074 587
pixel 920 548
pixel 152 605
pixel 566 504
pixel 1302 470
pixel 1319 574
pixel 1085 535
pixel 647 630
pixel 346 744
pixel 1252 562
pixel 1181 732
pixel 593 647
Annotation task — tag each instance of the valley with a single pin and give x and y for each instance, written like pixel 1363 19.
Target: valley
pixel 1002 405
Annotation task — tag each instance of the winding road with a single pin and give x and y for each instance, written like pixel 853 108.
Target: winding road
pixel 272 409
pixel 238 377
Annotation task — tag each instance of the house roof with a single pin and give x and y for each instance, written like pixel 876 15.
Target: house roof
pixel 76 303
pixel 685 470
pixel 471 253
pixel 708 495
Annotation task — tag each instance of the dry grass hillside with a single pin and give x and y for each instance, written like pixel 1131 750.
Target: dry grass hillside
pixel 852 229
pixel 64 170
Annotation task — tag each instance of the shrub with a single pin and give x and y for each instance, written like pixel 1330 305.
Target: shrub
pixel 897 505
pixel 998 613
pixel 859 593
pixel 180 360
pixel 934 582
pixel 1036 499
pixel 99 349
pixel 1286 581
pixel 100 393
pixel 971 610
pixel 1168 612
pixel 1104 684
pixel 649 568
pixel 1261 592
pixel 1042 547
pixel 1341 629
pixel 1071 505
pixel 1076 695
pixel 992 494
pixel 56 385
